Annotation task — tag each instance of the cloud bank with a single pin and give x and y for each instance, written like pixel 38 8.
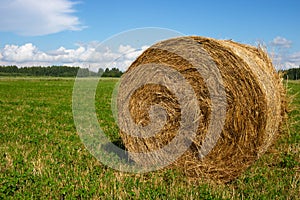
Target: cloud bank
pixel 91 55
pixel 94 55
pixel 34 17
pixel 281 42
pixel 280 52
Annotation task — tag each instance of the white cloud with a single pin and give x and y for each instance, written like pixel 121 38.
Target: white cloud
pixel 95 55
pixel 33 17
pixel 85 55
pixel 281 55
pixel 19 54
pixel 295 57
pixel 129 52
pixel 291 61
pixel 281 42
pixel 125 48
pixel 284 60
pixel 288 65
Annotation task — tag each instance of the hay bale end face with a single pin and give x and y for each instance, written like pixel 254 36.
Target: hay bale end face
pixel 254 107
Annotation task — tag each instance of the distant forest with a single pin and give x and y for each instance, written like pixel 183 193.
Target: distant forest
pixel 58 71
pixel 65 71
pixel 291 74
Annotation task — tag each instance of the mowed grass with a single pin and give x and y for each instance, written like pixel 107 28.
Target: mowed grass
pixel 42 157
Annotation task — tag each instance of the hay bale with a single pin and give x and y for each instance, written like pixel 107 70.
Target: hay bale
pixel 253 105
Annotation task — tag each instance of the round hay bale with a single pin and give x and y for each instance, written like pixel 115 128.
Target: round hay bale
pixel 253 105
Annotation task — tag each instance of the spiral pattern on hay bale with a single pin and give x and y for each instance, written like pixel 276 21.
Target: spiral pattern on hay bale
pixel 226 99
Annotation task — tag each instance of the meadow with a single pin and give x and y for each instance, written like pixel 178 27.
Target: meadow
pixel 42 157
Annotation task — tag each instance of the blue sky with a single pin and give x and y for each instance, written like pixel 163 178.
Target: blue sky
pixel 69 32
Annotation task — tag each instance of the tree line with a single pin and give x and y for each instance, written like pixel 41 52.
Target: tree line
pixel 291 74
pixel 58 71
pixel 66 71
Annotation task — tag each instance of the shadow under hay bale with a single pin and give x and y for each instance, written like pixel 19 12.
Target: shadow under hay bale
pixel 254 103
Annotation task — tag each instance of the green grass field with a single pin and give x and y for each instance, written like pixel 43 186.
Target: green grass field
pixel 42 157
